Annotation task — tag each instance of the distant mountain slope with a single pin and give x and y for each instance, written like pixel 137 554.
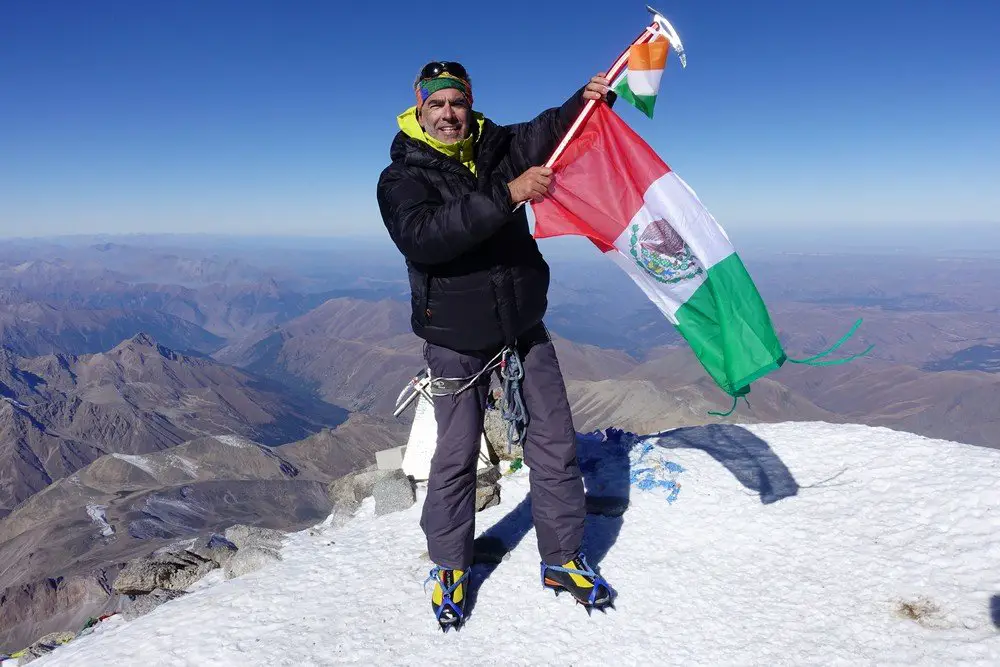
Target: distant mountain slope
pixel 359 354
pixel 674 390
pixel 61 412
pixel 900 336
pixel 974 358
pixel 36 328
pixel 172 310
pixel 959 405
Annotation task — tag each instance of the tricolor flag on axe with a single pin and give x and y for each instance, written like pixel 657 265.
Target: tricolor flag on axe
pixel 611 187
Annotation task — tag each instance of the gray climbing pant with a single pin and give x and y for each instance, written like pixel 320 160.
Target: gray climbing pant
pixel 558 506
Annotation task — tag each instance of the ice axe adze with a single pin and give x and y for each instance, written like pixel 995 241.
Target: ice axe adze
pixel 668 31
pixel 415 387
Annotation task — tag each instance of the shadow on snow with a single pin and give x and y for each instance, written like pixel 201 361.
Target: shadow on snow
pixel 748 458
pixel 604 463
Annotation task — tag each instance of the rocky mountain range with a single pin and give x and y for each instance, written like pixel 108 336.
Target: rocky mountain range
pixel 358 354
pixel 60 412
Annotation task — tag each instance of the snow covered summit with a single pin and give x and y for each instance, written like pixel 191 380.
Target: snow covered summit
pixel 785 544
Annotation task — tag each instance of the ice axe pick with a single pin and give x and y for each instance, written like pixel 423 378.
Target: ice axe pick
pixel 667 30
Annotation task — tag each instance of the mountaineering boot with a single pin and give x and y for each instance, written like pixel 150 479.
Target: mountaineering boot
pixel 585 585
pixel 448 597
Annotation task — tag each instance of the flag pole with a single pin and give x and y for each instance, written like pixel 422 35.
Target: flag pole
pixel 648 34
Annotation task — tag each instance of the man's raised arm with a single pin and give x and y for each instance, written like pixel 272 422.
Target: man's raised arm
pixel 535 139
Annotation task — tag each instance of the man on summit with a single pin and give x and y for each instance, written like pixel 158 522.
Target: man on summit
pixel 450 201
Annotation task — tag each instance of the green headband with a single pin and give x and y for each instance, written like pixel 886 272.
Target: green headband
pixel 427 87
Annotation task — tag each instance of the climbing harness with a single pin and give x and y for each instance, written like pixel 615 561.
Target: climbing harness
pixel 511 369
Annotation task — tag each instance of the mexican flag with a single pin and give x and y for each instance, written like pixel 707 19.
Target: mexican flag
pixel 610 186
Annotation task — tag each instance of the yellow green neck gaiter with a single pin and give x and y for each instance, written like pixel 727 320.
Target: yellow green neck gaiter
pixel 463 151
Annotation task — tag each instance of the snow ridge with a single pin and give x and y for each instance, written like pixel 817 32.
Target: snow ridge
pixel 790 544
pixel 140 462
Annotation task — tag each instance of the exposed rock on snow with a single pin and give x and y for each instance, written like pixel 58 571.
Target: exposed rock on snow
pixel 393 493
pixel 495 431
pixel 132 607
pixel 45 645
pixel 255 549
pixel 171 571
pixel 488 488
pixel 347 492
pixel 244 537
pixel 214 547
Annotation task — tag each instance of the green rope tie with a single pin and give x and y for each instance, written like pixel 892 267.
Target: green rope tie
pixel 736 399
pixel 814 360
pixel 809 361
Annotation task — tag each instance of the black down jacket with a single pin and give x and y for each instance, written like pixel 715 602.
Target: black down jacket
pixel 477 279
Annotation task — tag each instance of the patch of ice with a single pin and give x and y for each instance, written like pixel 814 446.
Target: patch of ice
pixel 236 441
pixel 187 465
pixel 98 513
pixel 15 402
pixel 140 462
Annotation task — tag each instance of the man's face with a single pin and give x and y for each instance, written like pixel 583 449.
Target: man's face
pixel 445 116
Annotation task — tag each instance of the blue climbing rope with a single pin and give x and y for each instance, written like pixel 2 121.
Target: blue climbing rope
pixel 512 410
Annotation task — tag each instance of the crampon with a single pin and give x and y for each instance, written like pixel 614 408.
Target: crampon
pixel 448 597
pixel 586 586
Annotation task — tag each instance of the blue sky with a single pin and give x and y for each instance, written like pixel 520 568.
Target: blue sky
pixel 276 117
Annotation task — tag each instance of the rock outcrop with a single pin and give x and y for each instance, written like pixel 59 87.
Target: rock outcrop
pixel 393 493
pixel 174 571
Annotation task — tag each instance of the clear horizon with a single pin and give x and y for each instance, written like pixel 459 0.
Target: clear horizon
pixel 954 241
pixel 246 117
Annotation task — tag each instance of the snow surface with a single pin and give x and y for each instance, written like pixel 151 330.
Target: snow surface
pixel 99 515
pixel 170 460
pixel 236 441
pixel 188 466
pixel 140 462
pixel 786 544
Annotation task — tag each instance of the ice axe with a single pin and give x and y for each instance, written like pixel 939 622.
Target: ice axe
pixel 659 26
pixel 668 31
pixel 414 388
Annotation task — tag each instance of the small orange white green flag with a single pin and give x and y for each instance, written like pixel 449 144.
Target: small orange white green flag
pixel 640 82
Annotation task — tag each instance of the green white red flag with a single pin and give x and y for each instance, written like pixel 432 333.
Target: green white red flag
pixel 611 187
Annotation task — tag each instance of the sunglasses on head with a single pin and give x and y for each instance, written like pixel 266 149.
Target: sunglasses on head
pixel 435 69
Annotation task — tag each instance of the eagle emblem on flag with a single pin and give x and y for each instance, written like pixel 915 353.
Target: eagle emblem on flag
pixel 661 252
